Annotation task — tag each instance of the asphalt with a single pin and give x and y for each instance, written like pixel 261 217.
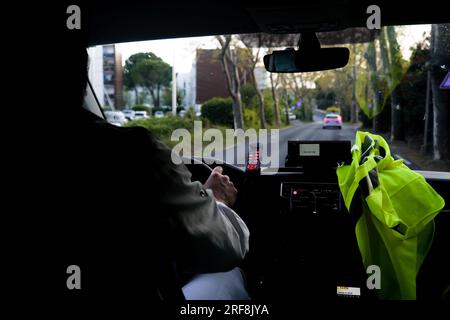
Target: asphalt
pixel 301 131
pixel 305 131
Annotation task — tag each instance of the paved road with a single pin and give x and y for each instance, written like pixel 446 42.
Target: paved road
pixel 306 131
pixel 313 131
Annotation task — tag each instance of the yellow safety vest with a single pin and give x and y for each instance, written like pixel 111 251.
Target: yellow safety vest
pixel 395 208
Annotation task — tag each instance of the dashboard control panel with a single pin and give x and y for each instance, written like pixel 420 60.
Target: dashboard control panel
pixel 314 197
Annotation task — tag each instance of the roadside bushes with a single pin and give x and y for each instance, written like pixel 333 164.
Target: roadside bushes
pixel 162 128
pixel 218 111
pixel 251 119
pixel 141 107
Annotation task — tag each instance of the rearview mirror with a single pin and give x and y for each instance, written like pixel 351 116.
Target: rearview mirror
pixel 309 57
pixel 290 60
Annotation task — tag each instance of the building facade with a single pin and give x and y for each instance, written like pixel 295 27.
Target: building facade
pixel 211 80
pixel 106 75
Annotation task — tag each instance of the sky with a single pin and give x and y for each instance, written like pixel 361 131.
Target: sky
pixel 183 49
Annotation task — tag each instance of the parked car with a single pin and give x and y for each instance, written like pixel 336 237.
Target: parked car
pixel 332 120
pixel 115 117
pixel 159 114
pixel 140 115
pixel 292 116
pixel 129 114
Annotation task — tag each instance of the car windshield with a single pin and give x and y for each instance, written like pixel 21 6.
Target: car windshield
pixel 386 88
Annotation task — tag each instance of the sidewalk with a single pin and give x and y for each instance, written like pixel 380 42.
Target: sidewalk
pixel 410 151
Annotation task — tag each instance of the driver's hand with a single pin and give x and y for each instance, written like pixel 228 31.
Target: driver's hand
pixel 221 186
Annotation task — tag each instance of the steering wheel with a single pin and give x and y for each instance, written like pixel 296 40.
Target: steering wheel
pixel 201 171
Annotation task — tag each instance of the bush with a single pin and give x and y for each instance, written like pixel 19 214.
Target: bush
pixel 269 110
pixel 251 119
pixel 141 107
pixel 248 96
pixel 218 111
pixel 162 128
pixel 190 114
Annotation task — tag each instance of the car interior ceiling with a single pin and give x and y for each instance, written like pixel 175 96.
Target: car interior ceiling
pixel 284 243
pixel 113 22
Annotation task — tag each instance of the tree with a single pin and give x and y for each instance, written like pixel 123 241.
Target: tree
pixel 414 91
pixel 273 87
pixel 229 61
pixel 295 87
pixel 148 71
pixel 167 97
pixel 440 42
pixel 248 95
pixel 254 58
pixel 354 106
pixel 285 96
pixel 269 41
pixel 128 79
pixel 371 57
pixel 391 60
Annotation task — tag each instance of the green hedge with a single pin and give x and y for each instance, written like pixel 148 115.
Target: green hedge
pixel 162 128
pixel 251 119
pixel 218 111
pixel 141 107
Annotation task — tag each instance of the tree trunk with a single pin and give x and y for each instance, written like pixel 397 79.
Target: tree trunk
pixel 158 89
pixel 392 60
pixel 232 75
pixel 236 96
pixel 307 109
pixel 440 42
pixel 262 115
pixel 285 98
pixel 262 111
pixel 154 98
pixel 286 107
pixel 275 102
pixel 376 121
pixel 136 96
pixel 397 132
pixel 353 105
pixel 428 116
pixel 371 57
pixel 286 111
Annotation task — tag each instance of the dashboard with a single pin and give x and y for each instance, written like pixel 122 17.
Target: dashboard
pixel 302 241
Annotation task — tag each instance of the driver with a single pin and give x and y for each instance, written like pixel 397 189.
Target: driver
pixel 195 221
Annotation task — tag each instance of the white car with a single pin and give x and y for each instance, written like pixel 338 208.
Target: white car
pixel 292 116
pixel 116 118
pixel 159 114
pixel 140 115
pixel 129 114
